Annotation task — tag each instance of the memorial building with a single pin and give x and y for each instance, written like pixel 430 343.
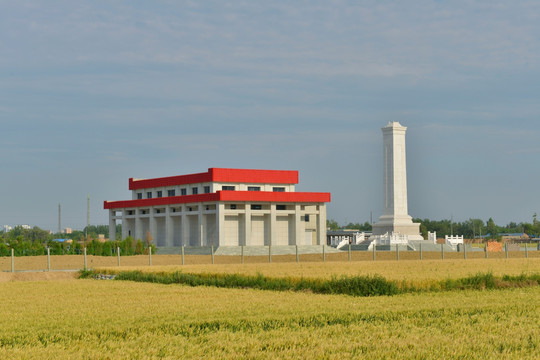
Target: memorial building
pixel 221 207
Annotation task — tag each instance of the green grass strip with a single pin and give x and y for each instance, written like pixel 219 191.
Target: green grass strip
pixel 345 285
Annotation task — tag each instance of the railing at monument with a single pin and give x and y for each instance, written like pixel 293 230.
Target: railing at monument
pixel 390 239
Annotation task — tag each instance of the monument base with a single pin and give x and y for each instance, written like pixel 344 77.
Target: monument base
pixel 402 225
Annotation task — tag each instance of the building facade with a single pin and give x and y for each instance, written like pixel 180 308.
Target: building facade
pixel 221 207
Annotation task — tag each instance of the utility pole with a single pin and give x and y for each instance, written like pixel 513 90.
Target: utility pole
pixel 59 218
pixel 87 218
pixel 451 225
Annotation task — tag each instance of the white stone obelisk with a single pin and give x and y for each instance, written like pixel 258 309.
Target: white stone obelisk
pixel 395 218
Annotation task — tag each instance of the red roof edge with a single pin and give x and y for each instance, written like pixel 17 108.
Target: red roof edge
pixel 240 196
pixel 220 175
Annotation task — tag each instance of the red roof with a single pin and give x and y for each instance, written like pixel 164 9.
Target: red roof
pixel 239 196
pixel 220 175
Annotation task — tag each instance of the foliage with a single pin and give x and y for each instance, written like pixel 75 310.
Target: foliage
pixel 471 228
pixel 357 226
pixel 356 286
pixel 332 225
pixel 344 285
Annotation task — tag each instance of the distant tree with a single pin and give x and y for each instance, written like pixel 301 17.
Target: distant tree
pixel 357 226
pixel 139 247
pixel 332 224
pixel 492 229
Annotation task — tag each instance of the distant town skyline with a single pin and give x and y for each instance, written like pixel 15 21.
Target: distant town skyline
pixel 92 94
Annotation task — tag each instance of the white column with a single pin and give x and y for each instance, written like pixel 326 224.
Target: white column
pixel 395 217
pixel 125 228
pixel 169 230
pixel 220 221
pixel 395 170
pixel 138 225
pixel 200 227
pixel 185 226
pixel 273 225
pixel 247 225
pixel 298 228
pixel 152 228
pixel 112 225
pixel 321 225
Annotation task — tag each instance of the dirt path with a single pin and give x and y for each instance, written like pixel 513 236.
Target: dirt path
pixel 37 276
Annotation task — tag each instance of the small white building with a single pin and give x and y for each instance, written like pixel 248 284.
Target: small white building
pixel 222 207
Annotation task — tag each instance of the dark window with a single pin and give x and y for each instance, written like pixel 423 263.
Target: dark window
pixel 149 195
pixel 183 192
pixel 130 212
pixel 195 191
pixel 278 189
pixel 171 192
pixel 254 188
pixel 233 206
pixel 256 207
pixel 173 210
pixel 160 194
pixel 281 207
pixel 207 189
pixel 143 212
pixel 228 188
pixel 190 209
pixel 139 196
pixel 158 211
pixel 306 218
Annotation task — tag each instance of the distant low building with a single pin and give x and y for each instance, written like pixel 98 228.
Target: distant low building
pixel 515 237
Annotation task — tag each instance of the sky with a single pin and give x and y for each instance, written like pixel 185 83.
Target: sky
pixel 95 92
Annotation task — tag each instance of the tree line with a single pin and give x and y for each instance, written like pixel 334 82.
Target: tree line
pixel 36 241
pixel 470 229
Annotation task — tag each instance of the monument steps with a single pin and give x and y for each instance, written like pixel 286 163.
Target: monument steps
pixel 248 250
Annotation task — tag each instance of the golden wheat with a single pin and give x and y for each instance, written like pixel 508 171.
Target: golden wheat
pixel 89 319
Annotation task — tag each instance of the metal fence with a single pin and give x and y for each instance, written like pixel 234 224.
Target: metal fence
pixel 260 254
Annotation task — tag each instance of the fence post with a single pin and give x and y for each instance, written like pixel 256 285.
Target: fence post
pixel 526 250
pixel 85 261
pixel 269 253
pixel 374 251
pixel 150 255
pixel 323 254
pixel 485 250
pixel 242 253
pixel 397 252
pixel 349 256
pixel 12 260
pixel 442 251
pixel 183 254
pixel 421 254
pixel 212 252
pixel 464 251
pixel 297 258
pixel 118 255
pixel 48 259
pixel 506 250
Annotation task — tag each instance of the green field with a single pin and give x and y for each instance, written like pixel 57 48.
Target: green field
pixel 91 319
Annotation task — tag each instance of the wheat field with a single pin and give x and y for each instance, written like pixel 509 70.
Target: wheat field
pixel 392 270
pixel 91 319
pixel 52 315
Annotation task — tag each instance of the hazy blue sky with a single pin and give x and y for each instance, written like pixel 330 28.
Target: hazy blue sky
pixel 95 92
